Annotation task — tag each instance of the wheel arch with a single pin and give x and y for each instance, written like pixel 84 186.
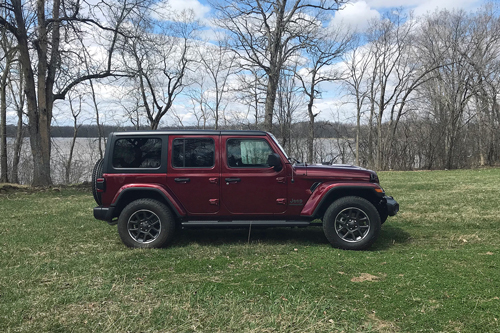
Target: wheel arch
pixel 126 196
pixel 338 192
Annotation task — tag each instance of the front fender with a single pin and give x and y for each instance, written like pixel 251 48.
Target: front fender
pixel 170 199
pixel 326 192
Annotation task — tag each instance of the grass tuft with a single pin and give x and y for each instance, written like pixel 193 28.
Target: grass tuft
pixel 434 268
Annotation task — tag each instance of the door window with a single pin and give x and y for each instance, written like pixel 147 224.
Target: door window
pixel 193 153
pixel 248 153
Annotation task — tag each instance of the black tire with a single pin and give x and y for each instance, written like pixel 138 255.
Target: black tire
pixel 146 223
pixel 383 216
pixel 351 223
pixel 97 173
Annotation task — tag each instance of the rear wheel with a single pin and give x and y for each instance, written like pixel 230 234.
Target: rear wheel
pixel 351 223
pixel 146 223
pixel 97 173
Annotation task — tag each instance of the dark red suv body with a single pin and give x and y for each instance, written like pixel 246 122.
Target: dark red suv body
pixel 153 182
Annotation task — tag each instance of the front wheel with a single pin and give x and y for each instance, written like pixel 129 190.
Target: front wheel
pixel 146 223
pixel 351 223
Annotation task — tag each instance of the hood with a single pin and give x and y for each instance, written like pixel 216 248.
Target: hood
pixel 345 172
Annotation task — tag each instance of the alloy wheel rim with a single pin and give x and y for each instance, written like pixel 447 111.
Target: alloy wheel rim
pixel 352 225
pixel 144 226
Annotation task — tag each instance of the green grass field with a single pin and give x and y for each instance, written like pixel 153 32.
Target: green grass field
pixel 435 268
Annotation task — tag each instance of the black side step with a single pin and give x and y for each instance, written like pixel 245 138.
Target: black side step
pixel 244 224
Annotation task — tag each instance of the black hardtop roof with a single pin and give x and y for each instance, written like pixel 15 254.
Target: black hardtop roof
pixel 188 132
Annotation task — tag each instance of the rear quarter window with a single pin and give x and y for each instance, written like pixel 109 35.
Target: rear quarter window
pixel 142 153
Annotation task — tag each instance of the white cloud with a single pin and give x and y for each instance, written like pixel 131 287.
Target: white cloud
pixel 355 16
pixel 199 9
pixel 430 6
pixel 424 6
pixel 172 8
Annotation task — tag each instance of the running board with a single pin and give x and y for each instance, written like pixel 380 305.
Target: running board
pixel 245 224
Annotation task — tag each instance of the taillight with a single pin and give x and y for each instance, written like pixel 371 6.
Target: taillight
pixel 101 184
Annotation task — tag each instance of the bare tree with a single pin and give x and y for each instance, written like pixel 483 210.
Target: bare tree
pixel 484 62
pixel 289 101
pixel 159 62
pixel 49 62
pixel 218 62
pixel 449 93
pixel 323 48
pixel 75 113
pixel 7 57
pixel 251 92
pixel 18 98
pixel 95 105
pixel 357 63
pixel 266 34
pixel 198 94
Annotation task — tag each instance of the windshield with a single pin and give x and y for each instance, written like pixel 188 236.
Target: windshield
pixel 278 144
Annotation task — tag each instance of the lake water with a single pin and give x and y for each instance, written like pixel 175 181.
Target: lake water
pixel 86 153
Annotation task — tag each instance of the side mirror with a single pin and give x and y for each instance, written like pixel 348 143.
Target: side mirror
pixel 273 160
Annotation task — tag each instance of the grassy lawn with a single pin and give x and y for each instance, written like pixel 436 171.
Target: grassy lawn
pixel 434 268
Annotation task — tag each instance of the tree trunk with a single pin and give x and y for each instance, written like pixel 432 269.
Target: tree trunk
pixel 17 146
pixel 71 149
pixel 97 120
pixel 39 115
pixel 3 123
pixel 310 132
pixel 272 87
pixel 358 129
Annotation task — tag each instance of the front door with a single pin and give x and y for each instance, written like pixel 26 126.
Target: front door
pixel 248 184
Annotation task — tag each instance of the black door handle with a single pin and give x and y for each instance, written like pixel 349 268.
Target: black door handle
pixel 232 180
pixel 182 180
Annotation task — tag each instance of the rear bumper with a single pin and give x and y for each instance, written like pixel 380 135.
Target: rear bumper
pixel 103 213
pixel 392 205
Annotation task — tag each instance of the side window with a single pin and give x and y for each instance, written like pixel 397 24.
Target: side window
pixel 249 153
pixel 142 153
pixel 193 153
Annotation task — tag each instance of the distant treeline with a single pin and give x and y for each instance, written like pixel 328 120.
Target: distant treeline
pixel 322 129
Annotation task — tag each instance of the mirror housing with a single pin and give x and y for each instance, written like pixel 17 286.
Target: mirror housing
pixel 274 161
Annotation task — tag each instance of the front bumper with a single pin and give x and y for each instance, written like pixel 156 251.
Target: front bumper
pixel 392 205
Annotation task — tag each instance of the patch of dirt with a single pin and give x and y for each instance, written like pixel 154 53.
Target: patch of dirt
pixel 365 277
pixel 474 238
pixel 384 326
pixel 12 188
pixel 6 188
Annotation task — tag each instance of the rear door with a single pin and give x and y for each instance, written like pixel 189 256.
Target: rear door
pixel 194 172
pixel 248 184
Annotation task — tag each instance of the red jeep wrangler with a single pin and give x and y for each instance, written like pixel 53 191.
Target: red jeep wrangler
pixel 153 182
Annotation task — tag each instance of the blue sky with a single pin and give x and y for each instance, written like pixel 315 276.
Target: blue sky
pixel 357 11
pixel 331 107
